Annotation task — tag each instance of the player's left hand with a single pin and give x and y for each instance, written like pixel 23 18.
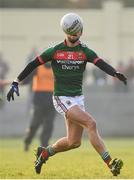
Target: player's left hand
pixel 121 77
pixel 14 89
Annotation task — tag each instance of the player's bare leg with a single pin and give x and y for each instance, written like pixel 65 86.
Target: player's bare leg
pixel 86 120
pixel 73 139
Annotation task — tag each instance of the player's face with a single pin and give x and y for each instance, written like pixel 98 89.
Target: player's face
pixel 74 38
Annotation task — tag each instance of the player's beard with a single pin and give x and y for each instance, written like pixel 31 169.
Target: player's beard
pixel 73 40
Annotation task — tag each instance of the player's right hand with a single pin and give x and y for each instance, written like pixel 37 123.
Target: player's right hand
pixel 14 89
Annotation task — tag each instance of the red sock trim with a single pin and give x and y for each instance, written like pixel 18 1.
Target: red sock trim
pixel 107 161
pixel 44 154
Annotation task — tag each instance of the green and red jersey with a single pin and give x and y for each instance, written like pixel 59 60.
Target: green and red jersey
pixel 68 64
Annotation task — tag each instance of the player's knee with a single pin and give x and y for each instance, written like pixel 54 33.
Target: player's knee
pixel 91 125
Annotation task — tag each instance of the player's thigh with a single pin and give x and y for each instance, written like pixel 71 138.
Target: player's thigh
pixel 80 117
pixel 74 131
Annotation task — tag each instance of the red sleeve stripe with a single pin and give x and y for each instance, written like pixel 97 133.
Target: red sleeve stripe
pixel 40 59
pixel 96 60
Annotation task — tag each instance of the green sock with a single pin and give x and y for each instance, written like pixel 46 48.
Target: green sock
pixel 50 150
pixel 106 157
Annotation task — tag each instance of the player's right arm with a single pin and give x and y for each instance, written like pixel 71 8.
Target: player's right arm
pixel 39 60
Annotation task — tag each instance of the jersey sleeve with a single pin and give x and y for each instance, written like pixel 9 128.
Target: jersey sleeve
pixel 46 56
pixel 92 57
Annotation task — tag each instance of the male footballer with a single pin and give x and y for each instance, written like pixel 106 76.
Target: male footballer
pixel 68 61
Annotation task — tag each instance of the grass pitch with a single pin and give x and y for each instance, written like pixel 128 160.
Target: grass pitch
pixel 81 163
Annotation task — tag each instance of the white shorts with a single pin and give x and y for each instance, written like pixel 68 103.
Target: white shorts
pixel 63 103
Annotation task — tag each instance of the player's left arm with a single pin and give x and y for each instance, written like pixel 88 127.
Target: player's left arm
pixel 110 70
pixel 104 66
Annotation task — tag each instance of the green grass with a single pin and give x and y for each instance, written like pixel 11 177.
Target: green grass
pixel 81 163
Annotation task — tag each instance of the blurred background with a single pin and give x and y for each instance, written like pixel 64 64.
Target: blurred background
pixel 108 29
